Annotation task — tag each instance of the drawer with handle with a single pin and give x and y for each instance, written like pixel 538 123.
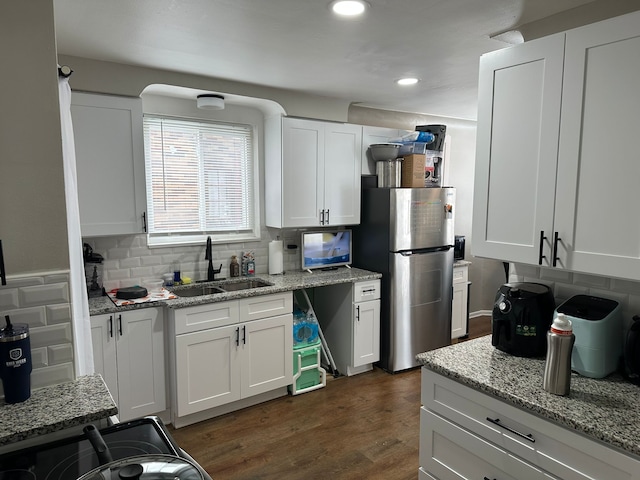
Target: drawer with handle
pixel 543 443
pixel 364 291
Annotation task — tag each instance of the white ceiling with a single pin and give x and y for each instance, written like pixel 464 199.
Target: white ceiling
pixel 300 45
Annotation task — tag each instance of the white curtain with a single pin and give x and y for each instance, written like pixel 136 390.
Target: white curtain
pixel 83 348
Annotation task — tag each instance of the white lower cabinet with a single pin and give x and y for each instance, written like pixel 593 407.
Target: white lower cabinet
pixel 459 311
pixel 246 354
pixel 349 314
pixel 465 434
pixel 128 351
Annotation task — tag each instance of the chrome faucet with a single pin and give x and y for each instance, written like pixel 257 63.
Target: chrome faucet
pixel 211 273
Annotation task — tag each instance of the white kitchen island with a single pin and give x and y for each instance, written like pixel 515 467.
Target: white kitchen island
pixel 485 415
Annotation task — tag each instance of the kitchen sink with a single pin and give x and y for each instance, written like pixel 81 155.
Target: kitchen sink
pixel 244 285
pixel 199 290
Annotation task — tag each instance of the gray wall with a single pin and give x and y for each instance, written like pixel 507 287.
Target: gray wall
pixel 32 204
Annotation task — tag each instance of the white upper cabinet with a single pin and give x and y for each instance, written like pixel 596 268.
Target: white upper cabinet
pixel 596 213
pixel 110 164
pixel 519 96
pixel 557 165
pixel 312 173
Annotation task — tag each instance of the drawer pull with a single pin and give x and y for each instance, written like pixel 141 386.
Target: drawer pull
pixel 487 478
pixel 526 436
pixel 369 290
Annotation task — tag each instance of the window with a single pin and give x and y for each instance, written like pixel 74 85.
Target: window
pixel 200 181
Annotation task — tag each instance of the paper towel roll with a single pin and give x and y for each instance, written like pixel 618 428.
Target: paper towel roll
pixel 275 257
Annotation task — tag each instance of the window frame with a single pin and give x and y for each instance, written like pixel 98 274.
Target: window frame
pixel 185 239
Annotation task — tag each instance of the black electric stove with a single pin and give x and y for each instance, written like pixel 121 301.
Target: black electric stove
pixel 72 457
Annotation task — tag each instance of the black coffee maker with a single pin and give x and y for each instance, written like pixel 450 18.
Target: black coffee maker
pixel 522 315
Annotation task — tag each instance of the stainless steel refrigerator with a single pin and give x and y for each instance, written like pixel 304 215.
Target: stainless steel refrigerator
pixel 407 235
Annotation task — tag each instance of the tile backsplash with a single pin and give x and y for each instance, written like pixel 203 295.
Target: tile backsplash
pixel 128 260
pixel 565 285
pixel 42 301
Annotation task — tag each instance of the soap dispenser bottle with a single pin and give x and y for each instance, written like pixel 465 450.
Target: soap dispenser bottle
pixel 234 267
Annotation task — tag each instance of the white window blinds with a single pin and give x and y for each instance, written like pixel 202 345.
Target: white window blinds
pixel 200 177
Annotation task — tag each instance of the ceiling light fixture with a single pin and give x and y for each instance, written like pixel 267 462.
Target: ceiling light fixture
pixel 210 101
pixel 348 8
pixel 407 81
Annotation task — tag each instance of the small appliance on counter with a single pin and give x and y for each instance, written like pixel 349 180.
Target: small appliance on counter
pixel 458 247
pixel 597 325
pixel 93 271
pixel 522 315
pixel 632 351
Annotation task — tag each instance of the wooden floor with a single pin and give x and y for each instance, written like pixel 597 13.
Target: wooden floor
pixel 365 426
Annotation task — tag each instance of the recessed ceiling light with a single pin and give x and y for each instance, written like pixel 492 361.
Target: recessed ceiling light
pixel 407 81
pixel 348 8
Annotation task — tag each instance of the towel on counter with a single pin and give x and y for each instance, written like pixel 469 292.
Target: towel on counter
pixel 152 297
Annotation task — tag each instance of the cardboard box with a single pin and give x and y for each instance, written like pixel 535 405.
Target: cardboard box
pixel 413 170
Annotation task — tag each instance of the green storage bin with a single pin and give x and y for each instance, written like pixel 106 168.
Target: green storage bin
pixel 307 372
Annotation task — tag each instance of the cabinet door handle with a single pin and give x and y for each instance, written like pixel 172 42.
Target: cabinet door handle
pixel 244 334
pixel 526 436
pixel 111 326
pixel 327 216
pixel 556 239
pixel 237 336
pixel 321 217
pixel 144 222
pixel 540 255
pixel 358 313
pixel 120 324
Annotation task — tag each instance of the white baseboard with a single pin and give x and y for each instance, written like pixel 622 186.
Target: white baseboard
pixel 480 313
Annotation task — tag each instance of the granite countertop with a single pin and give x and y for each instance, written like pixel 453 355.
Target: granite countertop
pixel 604 409
pixel 289 281
pixel 55 408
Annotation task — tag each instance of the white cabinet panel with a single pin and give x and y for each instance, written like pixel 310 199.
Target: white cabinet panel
pixel 350 325
pixel 267 360
pixel 203 317
pixel 459 310
pixel 448 451
pixel 366 333
pixel 518 119
pixel 141 372
pixel 129 354
pixel 596 224
pixel 110 163
pixel 342 174
pixel 104 351
pixel 207 369
pixel 312 174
